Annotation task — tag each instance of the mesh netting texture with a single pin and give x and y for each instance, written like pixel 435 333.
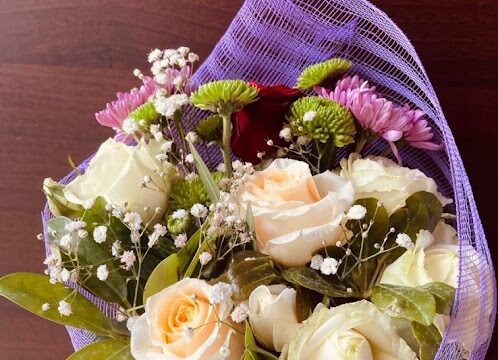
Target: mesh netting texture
pixel 271 41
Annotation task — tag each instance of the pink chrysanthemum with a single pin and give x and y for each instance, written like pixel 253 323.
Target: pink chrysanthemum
pixel 381 116
pixel 117 111
pixel 344 89
pixel 373 112
pixel 420 134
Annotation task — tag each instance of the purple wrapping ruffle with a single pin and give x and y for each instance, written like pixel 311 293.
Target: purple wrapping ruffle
pixel 271 41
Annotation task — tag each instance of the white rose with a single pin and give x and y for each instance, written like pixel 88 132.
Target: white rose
pixel 296 213
pixel 383 179
pixel 115 173
pixel 180 323
pixel 432 259
pixel 435 258
pixel 272 314
pixel 355 331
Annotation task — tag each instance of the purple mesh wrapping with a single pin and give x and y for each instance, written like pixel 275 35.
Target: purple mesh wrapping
pixel 271 41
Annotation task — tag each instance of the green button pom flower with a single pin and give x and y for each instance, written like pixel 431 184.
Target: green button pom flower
pixel 317 74
pixel 210 129
pixel 224 96
pixel 177 226
pixel 145 114
pixel 322 119
pixel 186 193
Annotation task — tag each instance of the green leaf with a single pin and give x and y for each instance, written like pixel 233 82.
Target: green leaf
pixel 428 338
pixel 56 229
pixel 405 302
pixel 250 344
pixel 303 304
pixel 106 349
pixel 98 215
pixel 310 279
pixel 444 295
pixel 251 225
pixel 89 255
pixel 248 270
pixel 422 211
pixel 207 179
pixel 252 351
pixel 114 288
pixel 164 275
pixel 57 202
pixel 188 251
pixel 208 243
pixel 31 291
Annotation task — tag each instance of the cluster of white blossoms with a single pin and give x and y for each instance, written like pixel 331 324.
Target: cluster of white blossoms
pixel 327 265
pixel 205 257
pixel 133 220
pixel 128 258
pixel 225 221
pixel 199 211
pixel 102 272
pixel 221 292
pixel 159 231
pixel 404 241
pixel 162 60
pixel 168 105
pixel 130 126
pixel 100 234
pixel 240 313
pixel 241 174
pixel 74 228
pixel 356 212
pixel 181 240
pixel 58 273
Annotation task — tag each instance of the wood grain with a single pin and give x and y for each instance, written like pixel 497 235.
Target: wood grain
pixel 61 61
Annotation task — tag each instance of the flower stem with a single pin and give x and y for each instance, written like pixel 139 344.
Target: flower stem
pixel 364 139
pixel 227 136
pixel 326 155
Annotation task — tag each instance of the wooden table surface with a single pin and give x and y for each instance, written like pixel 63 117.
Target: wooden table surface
pixel 61 61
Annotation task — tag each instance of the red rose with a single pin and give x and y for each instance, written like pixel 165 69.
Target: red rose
pixel 262 120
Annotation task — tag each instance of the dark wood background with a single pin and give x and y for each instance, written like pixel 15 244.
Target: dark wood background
pixel 62 60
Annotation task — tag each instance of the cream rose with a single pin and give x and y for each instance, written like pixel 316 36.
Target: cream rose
pixel 383 179
pixel 295 213
pixel 432 259
pixel 180 323
pixel 116 172
pixel 435 258
pixel 272 314
pixel 355 331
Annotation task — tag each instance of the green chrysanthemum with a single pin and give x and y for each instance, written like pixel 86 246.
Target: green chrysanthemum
pixel 186 193
pixel 322 119
pixel 210 129
pixel 179 226
pixel 317 74
pixel 224 96
pixel 146 113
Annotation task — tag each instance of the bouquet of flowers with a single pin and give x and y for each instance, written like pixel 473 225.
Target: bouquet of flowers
pixel 235 219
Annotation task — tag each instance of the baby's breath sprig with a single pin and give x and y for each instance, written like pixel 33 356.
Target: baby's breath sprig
pixel 225 97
